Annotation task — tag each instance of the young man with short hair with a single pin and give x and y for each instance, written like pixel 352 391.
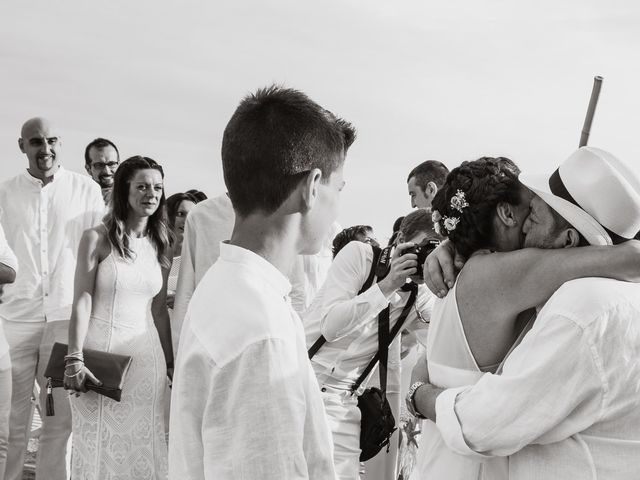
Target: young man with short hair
pixel 245 402
pixel 424 181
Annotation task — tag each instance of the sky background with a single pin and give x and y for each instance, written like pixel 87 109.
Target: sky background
pixel 448 80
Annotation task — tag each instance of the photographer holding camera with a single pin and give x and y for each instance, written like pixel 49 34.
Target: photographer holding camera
pixel 364 287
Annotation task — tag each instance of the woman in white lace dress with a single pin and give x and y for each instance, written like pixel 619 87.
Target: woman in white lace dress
pixel 119 306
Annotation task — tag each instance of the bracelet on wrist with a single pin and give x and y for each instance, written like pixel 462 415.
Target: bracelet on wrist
pixel 411 397
pixel 74 356
pixel 73 375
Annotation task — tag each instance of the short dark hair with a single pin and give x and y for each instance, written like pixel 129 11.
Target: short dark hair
pixel 173 203
pixel 99 143
pixel 396 231
pixel 397 223
pixel 273 139
pixel 348 235
pixel 429 171
pixel 197 194
pixel 416 222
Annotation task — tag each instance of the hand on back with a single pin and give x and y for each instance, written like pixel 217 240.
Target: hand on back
pixel 442 267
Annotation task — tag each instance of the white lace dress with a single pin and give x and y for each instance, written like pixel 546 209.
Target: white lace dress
pixel 124 440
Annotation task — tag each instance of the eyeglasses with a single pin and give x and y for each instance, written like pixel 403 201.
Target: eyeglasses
pixel 101 165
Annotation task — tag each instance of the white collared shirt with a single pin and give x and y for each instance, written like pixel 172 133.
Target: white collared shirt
pixel 567 404
pixel 208 223
pixel 245 402
pixel 349 321
pixel 43 225
pixel 8 258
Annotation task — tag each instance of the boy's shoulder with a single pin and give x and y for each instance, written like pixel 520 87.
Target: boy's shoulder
pixel 229 312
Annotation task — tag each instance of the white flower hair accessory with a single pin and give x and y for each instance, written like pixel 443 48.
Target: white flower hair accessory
pixel 458 201
pixel 450 223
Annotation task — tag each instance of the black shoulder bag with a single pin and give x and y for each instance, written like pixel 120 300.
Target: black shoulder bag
pixel 377 423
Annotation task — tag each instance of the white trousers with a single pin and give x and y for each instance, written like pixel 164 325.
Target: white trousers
pixel 344 420
pixel 5 409
pixel 30 346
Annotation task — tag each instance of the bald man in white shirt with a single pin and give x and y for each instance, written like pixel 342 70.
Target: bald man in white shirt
pixel 43 211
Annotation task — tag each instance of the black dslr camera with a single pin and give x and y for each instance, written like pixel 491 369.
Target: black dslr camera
pixel 422 250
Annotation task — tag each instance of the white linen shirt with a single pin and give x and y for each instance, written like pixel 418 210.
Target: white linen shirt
pixel 43 225
pixel 349 321
pixel 567 404
pixel 8 258
pixel 208 223
pixel 245 402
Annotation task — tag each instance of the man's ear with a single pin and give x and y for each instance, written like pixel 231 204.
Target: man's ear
pixel 21 144
pixel 506 214
pixel 88 169
pixel 571 238
pixel 431 190
pixel 310 189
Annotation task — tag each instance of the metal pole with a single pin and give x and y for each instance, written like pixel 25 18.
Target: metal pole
pixel 591 110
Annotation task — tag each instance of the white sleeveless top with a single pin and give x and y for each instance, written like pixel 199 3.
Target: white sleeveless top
pixel 451 364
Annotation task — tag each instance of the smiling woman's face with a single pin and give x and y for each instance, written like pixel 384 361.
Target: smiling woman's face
pixel 145 192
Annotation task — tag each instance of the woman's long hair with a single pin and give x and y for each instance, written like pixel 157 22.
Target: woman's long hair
pixel 156 230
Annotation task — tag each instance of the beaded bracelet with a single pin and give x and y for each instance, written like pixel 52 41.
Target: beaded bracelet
pixel 74 375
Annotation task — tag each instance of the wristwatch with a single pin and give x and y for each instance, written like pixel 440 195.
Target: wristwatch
pixel 411 399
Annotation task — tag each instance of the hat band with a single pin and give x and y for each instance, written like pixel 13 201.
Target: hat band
pixel 559 190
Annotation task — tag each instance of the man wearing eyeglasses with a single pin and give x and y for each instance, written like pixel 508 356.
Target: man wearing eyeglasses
pixel 101 161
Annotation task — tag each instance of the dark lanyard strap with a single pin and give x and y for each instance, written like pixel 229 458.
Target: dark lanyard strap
pixel 384 340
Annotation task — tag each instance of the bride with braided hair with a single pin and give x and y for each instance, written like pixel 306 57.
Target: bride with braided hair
pixel 481 209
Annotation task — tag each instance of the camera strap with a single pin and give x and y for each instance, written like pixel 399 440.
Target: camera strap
pixel 365 286
pixel 385 337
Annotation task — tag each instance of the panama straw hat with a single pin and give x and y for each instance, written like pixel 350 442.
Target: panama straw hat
pixel 595 192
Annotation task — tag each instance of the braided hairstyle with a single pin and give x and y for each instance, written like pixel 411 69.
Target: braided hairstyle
pixel 485 182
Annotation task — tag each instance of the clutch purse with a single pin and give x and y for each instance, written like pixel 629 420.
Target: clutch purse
pixel 109 368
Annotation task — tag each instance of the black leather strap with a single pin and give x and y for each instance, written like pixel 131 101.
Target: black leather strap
pixel 384 347
pixel 365 286
pixel 557 187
